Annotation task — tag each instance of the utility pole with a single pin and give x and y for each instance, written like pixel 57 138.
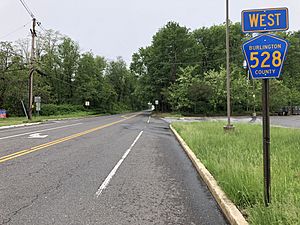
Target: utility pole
pixel 32 62
pixel 229 126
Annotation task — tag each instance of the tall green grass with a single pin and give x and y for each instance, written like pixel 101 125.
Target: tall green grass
pixel 236 161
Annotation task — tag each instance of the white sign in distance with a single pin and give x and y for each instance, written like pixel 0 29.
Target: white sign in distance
pixel 37 99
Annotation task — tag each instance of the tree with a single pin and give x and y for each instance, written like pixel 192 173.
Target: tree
pixel 280 95
pixel 213 41
pixel 291 69
pixel 13 78
pixel 122 81
pixel 183 69
pixel 217 82
pixel 89 80
pixel 48 62
pixel 68 54
pixel 172 46
pixel 189 93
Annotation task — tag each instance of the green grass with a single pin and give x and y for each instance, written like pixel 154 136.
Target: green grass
pixel 235 160
pixel 21 120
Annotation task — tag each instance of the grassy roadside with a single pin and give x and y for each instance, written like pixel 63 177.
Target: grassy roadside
pixel 21 120
pixel 235 160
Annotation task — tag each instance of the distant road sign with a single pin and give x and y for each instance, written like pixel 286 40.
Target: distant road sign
pixel 265 55
pixel 37 99
pixel 264 20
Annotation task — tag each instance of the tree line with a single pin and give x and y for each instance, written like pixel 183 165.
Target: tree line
pixel 64 76
pixel 183 69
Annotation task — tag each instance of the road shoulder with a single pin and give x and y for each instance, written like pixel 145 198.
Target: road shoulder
pixel 231 212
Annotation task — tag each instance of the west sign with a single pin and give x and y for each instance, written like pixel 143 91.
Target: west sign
pixel 265 20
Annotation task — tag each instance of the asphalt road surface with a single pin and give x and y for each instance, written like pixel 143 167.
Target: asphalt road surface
pixel 121 169
pixel 286 121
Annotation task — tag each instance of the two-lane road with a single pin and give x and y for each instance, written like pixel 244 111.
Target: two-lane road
pixel 121 169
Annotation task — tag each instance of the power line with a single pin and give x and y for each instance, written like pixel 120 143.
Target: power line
pixel 42 27
pixel 200 62
pixel 32 15
pixel 27 9
pixel 62 81
pixel 14 31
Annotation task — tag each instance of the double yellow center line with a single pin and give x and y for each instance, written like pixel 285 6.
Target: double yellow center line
pixel 42 146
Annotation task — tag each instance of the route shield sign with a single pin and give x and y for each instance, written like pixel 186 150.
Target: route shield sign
pixel 265 55
pixel 264 20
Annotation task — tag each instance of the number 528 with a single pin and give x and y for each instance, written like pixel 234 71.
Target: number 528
pixel 276 59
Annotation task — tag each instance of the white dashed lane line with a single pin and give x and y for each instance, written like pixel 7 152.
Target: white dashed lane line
pixel 114 170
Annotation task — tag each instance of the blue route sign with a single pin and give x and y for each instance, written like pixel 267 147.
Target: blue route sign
pixel 265 55
pixel 264 20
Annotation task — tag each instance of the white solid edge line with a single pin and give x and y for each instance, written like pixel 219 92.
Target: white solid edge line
pixel 38 131
pixel 20 126
pixel 114 170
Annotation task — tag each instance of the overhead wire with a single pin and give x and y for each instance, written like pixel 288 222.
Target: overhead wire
pixel 39 24
pixel 50 76
pixel 27 8
pixel 167 63
pixel 14 31
pixel 29 11
pixel 42 27
pixel 199 62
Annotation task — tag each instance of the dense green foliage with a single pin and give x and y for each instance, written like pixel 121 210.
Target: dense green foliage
pixel 235 160
pixel 184 70
pixel 64 78
pixel 64 109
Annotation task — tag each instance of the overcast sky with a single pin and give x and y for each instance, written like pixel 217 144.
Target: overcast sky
pixel 120 27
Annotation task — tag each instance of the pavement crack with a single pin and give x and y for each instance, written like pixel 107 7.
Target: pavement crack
pixel 14 213
pixel 69 174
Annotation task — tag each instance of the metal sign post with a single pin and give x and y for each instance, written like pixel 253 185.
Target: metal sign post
pixel 156 105
pixel 266 141
pixel 265 55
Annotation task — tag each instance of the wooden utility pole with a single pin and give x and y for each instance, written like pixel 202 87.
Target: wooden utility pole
pixel 32 62
pixel 229 126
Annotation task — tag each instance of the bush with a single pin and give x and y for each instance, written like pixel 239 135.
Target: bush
pixel 119 108
pixel 52 109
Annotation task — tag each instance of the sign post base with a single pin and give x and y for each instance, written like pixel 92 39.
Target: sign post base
pixel 229 128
